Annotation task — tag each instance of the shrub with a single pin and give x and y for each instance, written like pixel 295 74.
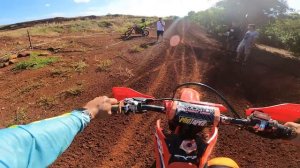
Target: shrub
pixel 283 32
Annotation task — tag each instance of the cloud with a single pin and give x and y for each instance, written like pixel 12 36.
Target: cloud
pixel 82 1
pixel 56 14
pixel 47 5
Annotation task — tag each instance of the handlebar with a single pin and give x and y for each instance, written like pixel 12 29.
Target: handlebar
pixel 259 125
pixel 259 122
pixel 141 108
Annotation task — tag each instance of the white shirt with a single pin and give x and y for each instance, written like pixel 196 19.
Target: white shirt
pixel 249 37
pixel 160 25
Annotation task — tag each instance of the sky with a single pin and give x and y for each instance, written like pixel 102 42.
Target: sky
pixel 13 11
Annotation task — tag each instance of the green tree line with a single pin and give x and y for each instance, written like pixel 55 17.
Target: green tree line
pixel 277 23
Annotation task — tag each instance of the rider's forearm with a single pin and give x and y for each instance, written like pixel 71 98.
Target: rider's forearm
pixel 39 144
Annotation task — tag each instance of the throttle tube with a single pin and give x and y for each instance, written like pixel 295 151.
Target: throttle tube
pixel 152 108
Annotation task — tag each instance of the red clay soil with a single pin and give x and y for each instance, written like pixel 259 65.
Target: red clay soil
pixel 127 141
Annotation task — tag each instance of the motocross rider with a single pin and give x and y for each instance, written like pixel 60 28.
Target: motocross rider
pixel 141 26
pixel 38 144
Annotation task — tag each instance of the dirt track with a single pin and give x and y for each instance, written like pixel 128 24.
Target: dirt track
pixel 126 141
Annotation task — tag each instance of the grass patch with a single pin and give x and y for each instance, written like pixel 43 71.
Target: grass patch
pixel 32 86
pixel 135 49
pixel 73 92
pixel 46 102
pixel 35 62
pixel 79 66
pixel 104 65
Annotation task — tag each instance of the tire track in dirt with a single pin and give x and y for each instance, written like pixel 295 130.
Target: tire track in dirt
pixel 195 76
pixel 166 75
pixel 126 142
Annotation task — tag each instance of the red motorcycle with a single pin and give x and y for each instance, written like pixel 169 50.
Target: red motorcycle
pixel 194 124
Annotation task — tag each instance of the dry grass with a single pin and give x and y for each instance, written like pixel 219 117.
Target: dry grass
pixel 30 87
pixel 79 66
pixel 135 49
pixel 73 91
pixel 104 65
pixel 60 72
pixel 46 102
pixel 19 118
pixel 104 24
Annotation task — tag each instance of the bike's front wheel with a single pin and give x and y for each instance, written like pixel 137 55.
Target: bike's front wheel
pixel 146 33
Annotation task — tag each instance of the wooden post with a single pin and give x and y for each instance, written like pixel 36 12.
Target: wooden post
pixel 29 40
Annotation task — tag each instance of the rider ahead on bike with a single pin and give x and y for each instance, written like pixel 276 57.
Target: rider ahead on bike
pixel 141 26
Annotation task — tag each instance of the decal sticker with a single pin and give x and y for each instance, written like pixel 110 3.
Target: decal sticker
pixel 192 121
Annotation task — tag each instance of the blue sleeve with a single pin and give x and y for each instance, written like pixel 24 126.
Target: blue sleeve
pixel 40 143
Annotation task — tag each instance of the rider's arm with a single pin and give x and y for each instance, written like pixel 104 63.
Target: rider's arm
pixel 39 144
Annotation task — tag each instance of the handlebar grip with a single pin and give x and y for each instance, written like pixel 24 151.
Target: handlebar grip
pixel 284 131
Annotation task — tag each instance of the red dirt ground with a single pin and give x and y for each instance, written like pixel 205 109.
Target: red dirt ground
pixel 126 141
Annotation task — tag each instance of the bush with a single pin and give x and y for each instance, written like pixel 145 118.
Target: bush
pixel 212 19
pixel 283 32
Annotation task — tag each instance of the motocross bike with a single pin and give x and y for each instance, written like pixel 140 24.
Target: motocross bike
pixel 135 29
pixel 188 117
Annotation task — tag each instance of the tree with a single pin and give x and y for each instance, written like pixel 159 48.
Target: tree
pixel 259 12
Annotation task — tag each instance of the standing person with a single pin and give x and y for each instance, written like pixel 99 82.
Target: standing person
pixel 247 43
pixel 234 36
pixel 160 28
